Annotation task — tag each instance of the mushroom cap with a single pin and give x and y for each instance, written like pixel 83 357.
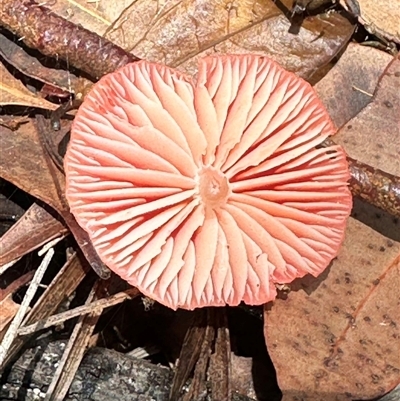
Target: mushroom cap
pixel 211 192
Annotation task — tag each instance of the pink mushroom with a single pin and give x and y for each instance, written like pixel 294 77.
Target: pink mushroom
pixel 208 192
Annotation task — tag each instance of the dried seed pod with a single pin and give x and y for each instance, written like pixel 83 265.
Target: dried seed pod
pixel 53 35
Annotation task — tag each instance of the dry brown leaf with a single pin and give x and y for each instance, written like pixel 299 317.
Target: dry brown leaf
pixel 176 32
pixel 35 228
pixel 373 136
pixel 380 16
pixel 317 42
pixel 342 330
pixel 13 92
pixel 349 85
pixel 23 164
pixel 95 15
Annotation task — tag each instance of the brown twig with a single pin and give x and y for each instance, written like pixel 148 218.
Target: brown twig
pixel 377 187
pixel 94 307
pixel 74 351
pixel 52 35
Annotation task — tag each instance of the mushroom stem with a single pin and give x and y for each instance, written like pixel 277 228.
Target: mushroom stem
pixel 375 186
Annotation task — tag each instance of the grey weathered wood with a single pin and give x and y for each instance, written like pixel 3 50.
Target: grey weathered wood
pixel 104 375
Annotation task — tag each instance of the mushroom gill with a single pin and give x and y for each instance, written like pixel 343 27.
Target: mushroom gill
pixel 208 193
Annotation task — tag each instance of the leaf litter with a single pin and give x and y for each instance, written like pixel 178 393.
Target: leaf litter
pixel 349 320
pixel 13 92
pixel 152 33
pixel 346 322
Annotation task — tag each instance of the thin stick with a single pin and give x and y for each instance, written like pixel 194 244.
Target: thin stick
pixel 51 244
pixel 362 91
pixel 8 265
pixel 94 307
pixel 23 309
pixel 73 353
pixel 60 288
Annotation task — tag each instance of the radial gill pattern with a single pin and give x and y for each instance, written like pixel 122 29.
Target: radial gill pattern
pixel 208 193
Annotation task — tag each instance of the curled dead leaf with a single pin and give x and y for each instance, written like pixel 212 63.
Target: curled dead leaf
pixel 13 92
pixel 35 228
pixel 23 164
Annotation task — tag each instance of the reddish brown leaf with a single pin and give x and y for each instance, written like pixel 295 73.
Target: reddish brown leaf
pixel 33 229
pixel 13 92
pixel 23 164
pixel 341 331
pixel 30 66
